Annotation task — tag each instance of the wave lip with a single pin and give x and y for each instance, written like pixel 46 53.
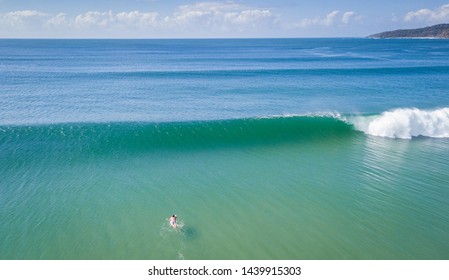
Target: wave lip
pixel 405 123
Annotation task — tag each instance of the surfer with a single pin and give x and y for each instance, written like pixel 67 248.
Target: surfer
pixel 173 221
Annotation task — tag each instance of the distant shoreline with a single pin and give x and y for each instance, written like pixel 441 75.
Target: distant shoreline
pixel 440 31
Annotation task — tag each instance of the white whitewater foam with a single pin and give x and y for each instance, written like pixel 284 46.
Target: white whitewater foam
pixel 324 114
pixel 406 123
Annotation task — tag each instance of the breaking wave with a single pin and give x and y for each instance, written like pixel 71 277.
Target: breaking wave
pixel 80 139
pixel 405 123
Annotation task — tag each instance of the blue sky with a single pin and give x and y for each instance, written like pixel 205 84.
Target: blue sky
pixel 213 19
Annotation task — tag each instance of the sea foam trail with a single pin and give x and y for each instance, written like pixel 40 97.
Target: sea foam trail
pixel 406 123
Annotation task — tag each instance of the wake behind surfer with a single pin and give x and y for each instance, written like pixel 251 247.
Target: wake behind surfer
pixel 173 221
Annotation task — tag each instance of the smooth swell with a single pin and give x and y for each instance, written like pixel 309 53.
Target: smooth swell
pixel 104 137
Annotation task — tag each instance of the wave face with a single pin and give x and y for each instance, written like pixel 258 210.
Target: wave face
pixel 406 123
pixel 107 138
pixel 104 137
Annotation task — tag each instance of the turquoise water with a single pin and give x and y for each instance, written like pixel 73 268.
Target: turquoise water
pixel 265 149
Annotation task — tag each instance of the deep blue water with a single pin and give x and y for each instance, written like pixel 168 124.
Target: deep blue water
pixel 58 81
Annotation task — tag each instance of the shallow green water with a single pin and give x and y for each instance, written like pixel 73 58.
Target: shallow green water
pixel 344 195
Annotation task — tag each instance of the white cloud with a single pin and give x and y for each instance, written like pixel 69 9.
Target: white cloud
pixel 24 14
pixel 90 19
pixel 323 21
pixel 19 18
pixel 110 20
pixel 346 18
pixel 136 18
pixel 220 15
pixel 199 17
pixel 202 19
pixel 330 18
pixel 248 17
pixel 426 15
pixel 57 20
pixel 333 18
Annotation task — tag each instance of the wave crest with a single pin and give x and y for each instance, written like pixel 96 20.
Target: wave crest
pixel 406 123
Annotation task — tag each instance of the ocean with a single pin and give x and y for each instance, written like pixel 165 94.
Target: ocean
pixel 264 149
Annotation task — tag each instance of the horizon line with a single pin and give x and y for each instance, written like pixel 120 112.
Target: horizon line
pixel 176 38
